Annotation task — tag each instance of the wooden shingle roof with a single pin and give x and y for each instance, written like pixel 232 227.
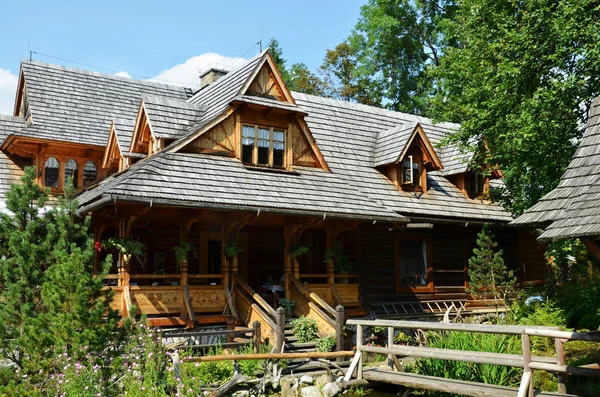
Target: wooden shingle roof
pixel 572 209
pixel 73 105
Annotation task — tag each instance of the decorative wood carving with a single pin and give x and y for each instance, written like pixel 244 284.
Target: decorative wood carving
pixel 219 139
pixel 265 85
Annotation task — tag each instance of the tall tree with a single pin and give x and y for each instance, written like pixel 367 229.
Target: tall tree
pixel 280 61
pixel 396 43
pixel 343 79
pixel 305 81
pixel 519 77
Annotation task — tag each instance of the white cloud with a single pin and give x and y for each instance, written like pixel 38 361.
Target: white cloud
pixel 188 73
pixel 123 74
pixel 8 89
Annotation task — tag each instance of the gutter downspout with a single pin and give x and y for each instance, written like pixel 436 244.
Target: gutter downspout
pixel 83 211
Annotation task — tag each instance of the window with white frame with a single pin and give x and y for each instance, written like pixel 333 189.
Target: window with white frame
pixel 263 146
pixel 411 172
pixel 476 183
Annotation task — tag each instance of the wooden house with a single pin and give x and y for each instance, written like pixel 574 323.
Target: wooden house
pixel 249 172
pixel 572 209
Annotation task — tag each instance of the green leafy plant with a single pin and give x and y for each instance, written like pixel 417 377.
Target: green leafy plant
pixel 181 252
pixel 403 339
pixel 287 304
pixel 326 344
pixel 342 265
pixel 232 249
pixel 298 251
pixel 305 329
pixel 484 373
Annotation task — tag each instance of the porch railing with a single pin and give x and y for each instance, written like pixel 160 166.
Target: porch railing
pixel 252 307
pixel 343 291
pixel 311 305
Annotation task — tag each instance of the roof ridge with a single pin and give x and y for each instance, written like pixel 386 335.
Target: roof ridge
pixel 103 74
pixel 364 107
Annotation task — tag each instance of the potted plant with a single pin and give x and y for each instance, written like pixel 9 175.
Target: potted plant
pixel 298 251
pixel 181 253
pixel 341 264
pixel 232 249
pixel 288 305
pixel 403 339
pixel 127 247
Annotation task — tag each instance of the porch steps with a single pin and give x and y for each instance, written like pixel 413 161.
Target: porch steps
pixel 293 346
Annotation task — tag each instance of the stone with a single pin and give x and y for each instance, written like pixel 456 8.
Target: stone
pixel 311 391
pixel 331 389
pixel 241 393
pixel 287 389
pixel 306 379
pixel 324 379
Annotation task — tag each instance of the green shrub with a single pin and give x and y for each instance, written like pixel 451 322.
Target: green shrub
pixel 485 373
pixel 544 314
pixel 326 344
pixel 305 329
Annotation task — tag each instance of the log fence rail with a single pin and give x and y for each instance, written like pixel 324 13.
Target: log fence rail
pixel 526 361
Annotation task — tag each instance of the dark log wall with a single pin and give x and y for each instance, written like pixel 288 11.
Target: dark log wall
pixel 451 248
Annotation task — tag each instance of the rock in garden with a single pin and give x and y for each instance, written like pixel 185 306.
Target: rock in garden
pixel 324 379
pixel 330 389
pixel 306 379
pixel 286 388
pixel 311 391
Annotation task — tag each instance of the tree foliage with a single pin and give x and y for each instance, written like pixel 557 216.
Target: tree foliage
pixel 51 300
pixel 488 274
pixel 277 54
pixel 519 77
pixel 397 42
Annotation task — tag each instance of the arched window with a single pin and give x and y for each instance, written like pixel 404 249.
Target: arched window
pixel 51 172
pixel 89 173
pixel 71 171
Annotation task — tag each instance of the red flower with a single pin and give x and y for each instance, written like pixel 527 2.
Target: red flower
pixel 98 246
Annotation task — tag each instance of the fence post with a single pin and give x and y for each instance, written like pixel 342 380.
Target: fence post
pixel 390 343
pixel 526 346
pixel 359 342
pixel 280 329
pixel 340 320
pixel 560 360
pixel 257 336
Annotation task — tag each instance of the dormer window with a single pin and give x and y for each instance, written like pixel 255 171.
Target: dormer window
pixel 263 146
pixel 477 184
pixel 411 172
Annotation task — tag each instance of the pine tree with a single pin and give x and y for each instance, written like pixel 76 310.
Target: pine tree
pixel 51 300
pixel 22 264
pixel 487 272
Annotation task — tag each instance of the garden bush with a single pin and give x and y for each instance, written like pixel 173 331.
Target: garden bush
pixel 326 344
pixel 305 329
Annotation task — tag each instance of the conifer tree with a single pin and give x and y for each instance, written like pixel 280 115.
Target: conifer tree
pixel 487 272
pixel 51 300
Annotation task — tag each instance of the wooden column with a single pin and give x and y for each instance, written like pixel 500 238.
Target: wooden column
pixel 288 266
pixel 330 238
pixel 224 259
pixel 125 225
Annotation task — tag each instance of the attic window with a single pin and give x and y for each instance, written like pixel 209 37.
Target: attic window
pixel 476 183
pixel 263 146
pixel 410 172
pixel 71 171
pixel 90 173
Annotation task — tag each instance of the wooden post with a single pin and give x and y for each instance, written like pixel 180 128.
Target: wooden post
pixel 329 239
pixel 257 337
pixel 560 360
pixel 526 346
pixel 280 329
pixel 288 267
pixel 340 320
pixel 390 343
pixel 359 342
pixel 224 258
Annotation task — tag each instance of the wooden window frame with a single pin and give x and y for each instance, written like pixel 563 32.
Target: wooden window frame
pixel 271 129
pixel 426 240
pixel 62 161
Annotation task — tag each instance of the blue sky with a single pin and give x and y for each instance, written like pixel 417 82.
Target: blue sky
pixel 155 38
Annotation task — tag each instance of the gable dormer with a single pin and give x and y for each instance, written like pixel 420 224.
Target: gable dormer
pixel 262 126
pixel 116 155
pixel 405 155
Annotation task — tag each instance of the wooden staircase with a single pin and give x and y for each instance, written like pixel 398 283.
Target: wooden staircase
pixel 292 345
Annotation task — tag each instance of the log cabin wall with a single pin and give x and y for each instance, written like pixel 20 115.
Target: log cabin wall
pixel 451 248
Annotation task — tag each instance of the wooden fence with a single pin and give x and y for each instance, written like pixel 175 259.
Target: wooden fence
pixel 254 333
pixel 525 360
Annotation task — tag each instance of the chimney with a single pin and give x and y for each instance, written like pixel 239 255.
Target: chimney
pixel 210 76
